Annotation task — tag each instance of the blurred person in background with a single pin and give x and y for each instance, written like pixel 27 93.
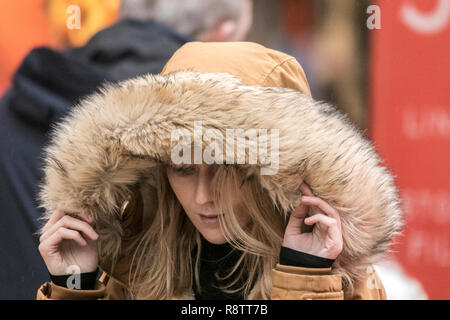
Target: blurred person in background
pixel 49 82
pixel 327 37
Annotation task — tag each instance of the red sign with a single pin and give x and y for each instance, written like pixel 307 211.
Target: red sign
pixel 410 126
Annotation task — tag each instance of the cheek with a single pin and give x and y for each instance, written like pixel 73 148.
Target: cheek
pixel 240 209
pixel 238 200
pixel 182 189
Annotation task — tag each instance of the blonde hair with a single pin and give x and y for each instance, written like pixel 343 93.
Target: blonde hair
pixel 162 265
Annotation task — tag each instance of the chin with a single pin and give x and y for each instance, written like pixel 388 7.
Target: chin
pixel 216 238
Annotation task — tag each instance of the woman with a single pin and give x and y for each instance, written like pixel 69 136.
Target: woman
pixel 117 195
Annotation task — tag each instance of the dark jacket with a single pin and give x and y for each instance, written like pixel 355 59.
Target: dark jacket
pixel 43 89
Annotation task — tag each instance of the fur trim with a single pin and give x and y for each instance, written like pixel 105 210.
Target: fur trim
pixel 113 139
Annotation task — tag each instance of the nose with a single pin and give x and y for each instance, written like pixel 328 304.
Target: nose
pixel 202 193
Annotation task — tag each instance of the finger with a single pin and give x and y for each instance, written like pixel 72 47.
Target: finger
pixel 320 217
pixel 54 217
pixel 330 224
pixel 323 205
pixel 73 224
pixel 84 216
pixel 62 234
pixel 297 216
pixel 306 190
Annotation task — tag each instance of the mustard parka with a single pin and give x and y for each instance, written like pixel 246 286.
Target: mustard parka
pixel 102 155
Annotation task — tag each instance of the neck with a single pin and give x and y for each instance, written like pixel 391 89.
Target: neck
pixel 214 251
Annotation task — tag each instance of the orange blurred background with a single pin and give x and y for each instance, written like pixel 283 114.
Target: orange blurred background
pixel 26 24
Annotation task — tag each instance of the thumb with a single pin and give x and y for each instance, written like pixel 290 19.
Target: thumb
pixel 297 216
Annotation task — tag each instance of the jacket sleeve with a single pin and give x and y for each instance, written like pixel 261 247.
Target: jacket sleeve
pixel 105 289
pixel 296 283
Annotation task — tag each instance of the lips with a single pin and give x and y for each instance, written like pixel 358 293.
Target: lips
pixel 209 215
pixel 209 218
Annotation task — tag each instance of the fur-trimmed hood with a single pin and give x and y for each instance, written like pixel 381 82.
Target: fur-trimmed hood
pixel 113 140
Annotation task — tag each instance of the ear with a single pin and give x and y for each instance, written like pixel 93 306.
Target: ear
pixel 226 30
pixel 222 32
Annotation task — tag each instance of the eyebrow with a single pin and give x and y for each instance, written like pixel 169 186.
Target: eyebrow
pixel 181 166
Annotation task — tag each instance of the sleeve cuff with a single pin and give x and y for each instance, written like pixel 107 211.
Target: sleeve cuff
pixel 290 257
pixel 87 280
pixel 306 280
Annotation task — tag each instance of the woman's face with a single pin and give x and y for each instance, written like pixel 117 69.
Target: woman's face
pixel 191 185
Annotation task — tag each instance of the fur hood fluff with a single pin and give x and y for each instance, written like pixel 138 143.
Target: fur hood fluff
pixel 114 139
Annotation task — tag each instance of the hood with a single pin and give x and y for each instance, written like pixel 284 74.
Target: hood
pixel 112 141
pixel 251 63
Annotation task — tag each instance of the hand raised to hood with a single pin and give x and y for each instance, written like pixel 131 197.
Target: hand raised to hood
pixel 325 240
pixel 68 242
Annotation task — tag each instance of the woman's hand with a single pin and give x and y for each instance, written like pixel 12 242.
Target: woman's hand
pixel 66 242
pixel 325 240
